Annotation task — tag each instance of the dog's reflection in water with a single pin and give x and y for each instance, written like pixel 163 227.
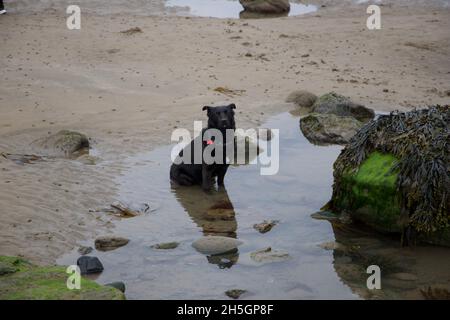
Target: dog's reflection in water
pixel 214 214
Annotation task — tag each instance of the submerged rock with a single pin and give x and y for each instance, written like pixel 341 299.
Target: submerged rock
pixel 107 243
pixel 265 226
pixel 329 128
pixel 302 98
pixel 84 250
pixel 166 245
pixel 89 265
pixel 266 6
pixel 267 255
pixel 235 293
pixel 341 106
pixel 30 282
pixel 216 245
pixel 394 175
pixel 63 143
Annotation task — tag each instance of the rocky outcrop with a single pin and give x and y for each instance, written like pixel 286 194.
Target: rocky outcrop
pixel 266 6
pixel 323 129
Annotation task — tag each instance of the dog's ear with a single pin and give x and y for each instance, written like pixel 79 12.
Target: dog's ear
pixel 206 108
pixel 232 106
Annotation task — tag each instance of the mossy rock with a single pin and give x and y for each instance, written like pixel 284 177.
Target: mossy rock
pixel 371 194
pixel 25 281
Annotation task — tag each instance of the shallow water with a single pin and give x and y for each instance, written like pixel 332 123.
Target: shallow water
pixel 301 187
pixel 227 8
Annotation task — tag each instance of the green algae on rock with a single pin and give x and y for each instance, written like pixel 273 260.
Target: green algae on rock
pixel 394 175
pixel 25 281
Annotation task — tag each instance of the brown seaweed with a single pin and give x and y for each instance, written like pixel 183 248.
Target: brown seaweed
pixel 420 140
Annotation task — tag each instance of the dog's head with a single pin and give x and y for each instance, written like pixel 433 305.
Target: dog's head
pixel 221 117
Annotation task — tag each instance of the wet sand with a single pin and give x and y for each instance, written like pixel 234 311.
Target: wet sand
pixel 128 92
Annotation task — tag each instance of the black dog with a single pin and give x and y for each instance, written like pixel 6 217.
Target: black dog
pixel 187 174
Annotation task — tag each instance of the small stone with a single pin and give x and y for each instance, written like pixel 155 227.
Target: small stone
pixel 216 244
pixel 118 285
pixel 265 226
pixel 89 265
pixel 5 269
pixel 166 245
pixel 235 293
pixel 268 255
pixel 84 250
pixel 107 243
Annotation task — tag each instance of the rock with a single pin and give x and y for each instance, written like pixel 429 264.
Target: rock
pixel 404 187
pixel 107 243
pixel 63 143
pixel 32 282
pixel 329 128
pixel 266 6
pixel 89 265
pixel 118 285
pixel 216 244
pixel 10 265
pixel 265 226
pixel 302 98
pixel 341 106
pixel 84 250
pixel 235 293
pixel 268 255
pixel 166 245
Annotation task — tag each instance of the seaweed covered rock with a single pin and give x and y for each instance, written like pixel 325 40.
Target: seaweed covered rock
pixel 25 281
pixel 341 106
pixel 266 6
pixel 329 128
pixel 394 175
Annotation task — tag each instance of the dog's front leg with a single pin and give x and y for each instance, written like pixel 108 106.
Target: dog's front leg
pixel 206 179
pixel 221 176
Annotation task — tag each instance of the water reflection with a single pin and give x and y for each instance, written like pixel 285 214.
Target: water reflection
pixel 214 214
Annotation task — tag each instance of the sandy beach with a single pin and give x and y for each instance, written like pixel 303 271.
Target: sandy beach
pixel 127 92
